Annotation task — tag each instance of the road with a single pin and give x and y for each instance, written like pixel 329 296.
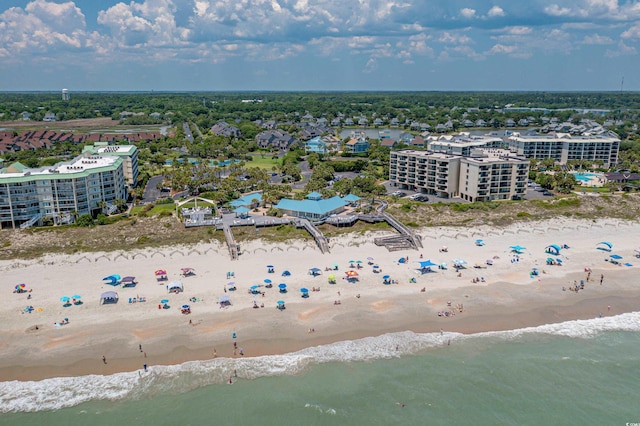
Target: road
pixel 187 131
pixel 151 191
pixel 198 131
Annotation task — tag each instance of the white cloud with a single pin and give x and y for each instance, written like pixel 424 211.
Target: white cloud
pixel 449 38
pixel 468 13
pixel 632 33
pixel 555 10
pixel 497 49
pixel 597 39
pixel 623 50
pixel 45 28
pixel 151 22
pixel 495 11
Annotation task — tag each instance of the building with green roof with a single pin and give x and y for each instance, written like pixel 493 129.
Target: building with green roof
pixel 88 184
pixel 129 154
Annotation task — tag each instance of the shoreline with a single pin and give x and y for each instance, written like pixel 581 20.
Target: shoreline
pixel 510 299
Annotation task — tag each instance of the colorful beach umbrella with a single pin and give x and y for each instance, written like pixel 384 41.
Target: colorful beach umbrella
pixel 267 281
pixel 76 296
pixel 65 299
pixel 21 287
pixel 160 272
pixel 351 274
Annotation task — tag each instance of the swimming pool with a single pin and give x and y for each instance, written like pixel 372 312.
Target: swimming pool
pixel 586 177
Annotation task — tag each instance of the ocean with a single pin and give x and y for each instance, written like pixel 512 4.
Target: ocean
pixel 576 372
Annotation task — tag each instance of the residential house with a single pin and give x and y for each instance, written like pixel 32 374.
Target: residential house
pixel 358 144
pixel 224 129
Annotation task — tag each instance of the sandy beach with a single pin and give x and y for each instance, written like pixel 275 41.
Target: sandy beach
pixel 129 335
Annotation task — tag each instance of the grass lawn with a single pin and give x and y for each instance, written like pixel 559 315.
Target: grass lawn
pixel 263 163
pixel 157 209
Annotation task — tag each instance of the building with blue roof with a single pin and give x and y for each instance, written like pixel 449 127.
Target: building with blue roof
pixel 315 145
pixel 249 200
pixel 313 208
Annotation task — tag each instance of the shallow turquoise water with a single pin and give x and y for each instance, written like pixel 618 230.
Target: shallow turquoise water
pixel 531 378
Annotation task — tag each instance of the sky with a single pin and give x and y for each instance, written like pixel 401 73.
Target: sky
pixel 316 45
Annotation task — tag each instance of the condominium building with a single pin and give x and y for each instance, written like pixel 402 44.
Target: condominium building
pixel 129 154
pixel 88 184
pixel 483 175
pixel 462 143
pixel 563 147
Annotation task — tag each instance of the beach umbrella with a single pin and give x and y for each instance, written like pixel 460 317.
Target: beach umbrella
pixel 616 256
pixel 351 274
pixel 282 286
pixel 20 287
pixel 370 258
pixel 280 302
pixel 231 283
pixel 267 281
pixel 163 301
pixel 254 287
pixel 559 260
pixel 352 261
pixel 76 296
pixel 186 307
pixel 386 277
pixel 358 261
pixel 65 299
pixel 160 272
pixel 286 273
pixel 304 290
pixel 334 264
pixel 269 266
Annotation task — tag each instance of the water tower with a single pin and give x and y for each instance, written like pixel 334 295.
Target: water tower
pixel 65 94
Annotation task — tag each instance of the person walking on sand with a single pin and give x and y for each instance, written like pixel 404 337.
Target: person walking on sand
pixel 104 359
pixel 140 347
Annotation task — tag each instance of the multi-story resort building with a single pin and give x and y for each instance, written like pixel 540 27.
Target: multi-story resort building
pixel 88 184
pixel 129 154
pixel 462 143
pixel 563 147
pixel 485 174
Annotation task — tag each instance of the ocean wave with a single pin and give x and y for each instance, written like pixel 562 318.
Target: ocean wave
pixel 57 393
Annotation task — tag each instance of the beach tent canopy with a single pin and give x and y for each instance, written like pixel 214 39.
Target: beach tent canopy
pixel 401 260
pixel 128 280
pixel 175 285
pixel 426 264
pixel 459 262
pixel 553 249
pixel 280 302
pixel 315 271
pixel 604 245
pixel 351 274
pixel 161 272
pixel 517 248
pixel 109 297
pixel 616 256
pixel 112 279
pixel 224 300
pixel 286 273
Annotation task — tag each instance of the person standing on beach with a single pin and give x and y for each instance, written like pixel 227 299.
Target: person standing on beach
pixel 140 347
pixel 601 278
pixel 104 359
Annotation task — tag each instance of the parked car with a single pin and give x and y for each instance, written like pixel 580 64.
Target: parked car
pixel 548 193
pixel 399 194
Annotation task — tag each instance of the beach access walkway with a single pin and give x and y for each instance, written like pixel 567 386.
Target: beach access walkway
pixel 321 240
pixel 230 220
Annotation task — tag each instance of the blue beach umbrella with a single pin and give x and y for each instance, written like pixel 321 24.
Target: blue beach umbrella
pixel 76 296
pixel 267 281
pixel 282 286
pixel 163 301
pixel 386 277
pixel 304 290
pixel 280 302
pixel 65 299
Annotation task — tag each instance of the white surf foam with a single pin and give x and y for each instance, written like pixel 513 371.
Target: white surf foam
pixel 57 393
